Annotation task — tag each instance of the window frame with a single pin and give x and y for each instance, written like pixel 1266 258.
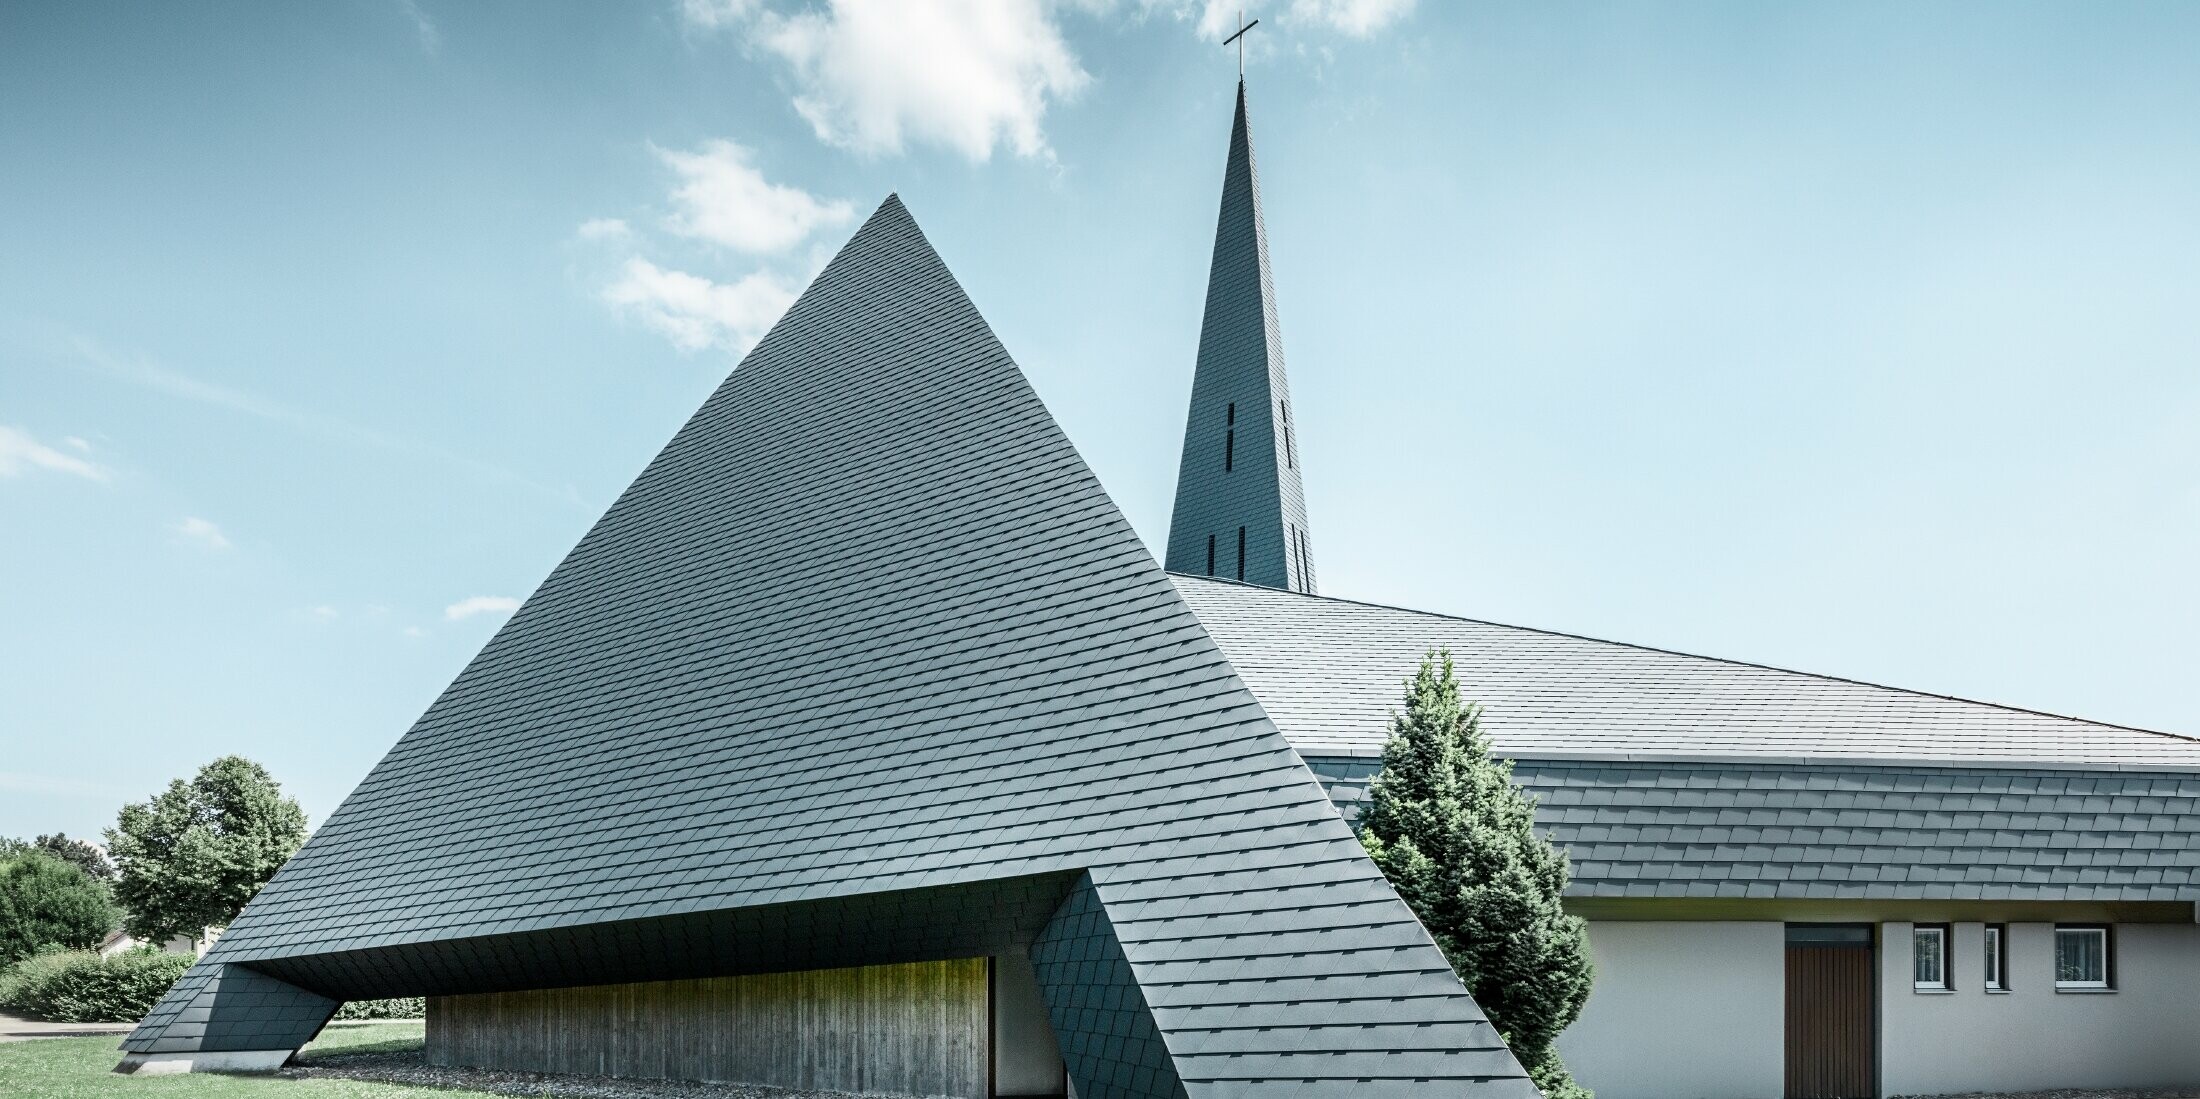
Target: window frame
pixel 1942 935
pixel 1994 962
pixel 2107 932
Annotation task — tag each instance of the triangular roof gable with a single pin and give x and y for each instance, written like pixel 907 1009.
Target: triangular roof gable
pixel 870 559
pixel 868 623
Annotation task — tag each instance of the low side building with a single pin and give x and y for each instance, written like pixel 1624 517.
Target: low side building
pixel 1796 885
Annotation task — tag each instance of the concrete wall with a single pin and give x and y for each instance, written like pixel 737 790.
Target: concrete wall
pixel 915 1029
pixel 1683 1010
pixel 2144 1034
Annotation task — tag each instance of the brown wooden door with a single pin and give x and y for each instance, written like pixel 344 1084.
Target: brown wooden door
pixel 1832 1040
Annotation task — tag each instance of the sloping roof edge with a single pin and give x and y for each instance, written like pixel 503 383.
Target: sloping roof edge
pixel 1730 661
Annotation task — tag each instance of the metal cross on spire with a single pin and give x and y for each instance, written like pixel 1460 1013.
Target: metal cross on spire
pixel 1239 38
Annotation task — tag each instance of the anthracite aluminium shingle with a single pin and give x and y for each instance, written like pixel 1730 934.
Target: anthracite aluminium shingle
pixel 1329 671
pixel 1727 829
pixel 1240 508
pixel 1667 775
pixel 866 666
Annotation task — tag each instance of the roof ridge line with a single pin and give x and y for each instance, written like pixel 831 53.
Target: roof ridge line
pixel 2184 737
pixel 1778 759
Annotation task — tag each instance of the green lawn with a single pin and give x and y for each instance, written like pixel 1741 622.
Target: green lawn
pixel 81 1068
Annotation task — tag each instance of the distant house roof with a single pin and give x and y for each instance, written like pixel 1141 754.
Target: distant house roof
pixel 1330 671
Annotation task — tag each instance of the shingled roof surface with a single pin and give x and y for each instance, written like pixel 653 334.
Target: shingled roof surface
pixel 1682 828
pixel 869 623
pixel 1668 775
pixel 1329 672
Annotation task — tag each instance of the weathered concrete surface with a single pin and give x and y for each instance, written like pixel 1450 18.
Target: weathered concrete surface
pixel 914 1029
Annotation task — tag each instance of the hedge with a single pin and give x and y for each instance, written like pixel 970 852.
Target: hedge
pixel 404 1007
pixel 78 986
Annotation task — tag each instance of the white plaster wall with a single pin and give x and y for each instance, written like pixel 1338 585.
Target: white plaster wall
pixel 1683 1011
pixel 2144 1034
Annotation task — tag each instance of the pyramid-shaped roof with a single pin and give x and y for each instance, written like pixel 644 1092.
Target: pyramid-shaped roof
pixel 868 626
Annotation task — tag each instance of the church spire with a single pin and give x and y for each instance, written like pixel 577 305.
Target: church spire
pixel 1240 512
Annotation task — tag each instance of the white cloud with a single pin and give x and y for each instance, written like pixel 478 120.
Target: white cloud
pixel 1218 19
pixel 431 39
pixel 77 442
pixel 723 200
pixel 873 75
pixel 1353 18
pixel 19 453
pixel 712 15
pixel 87 354
pixel 415 631
pixel 202 532
pixel 322 613
pixel 603 229
pixel 480 604
pixel 695 312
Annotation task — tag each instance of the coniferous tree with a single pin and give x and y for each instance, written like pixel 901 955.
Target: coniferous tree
pixel 1456 837
pixel 191 857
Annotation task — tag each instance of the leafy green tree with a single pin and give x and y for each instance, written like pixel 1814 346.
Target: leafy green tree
pixel 45 902
pixel 1456 837
pixel 82 854
pixel 191 857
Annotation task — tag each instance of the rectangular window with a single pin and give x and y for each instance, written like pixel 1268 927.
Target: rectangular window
pixel 1241 553
pixel 2082 958
pixel 1929 957
pixel 1996 950
pixel 1210 555
pixel 1288 456
pixel 1229 449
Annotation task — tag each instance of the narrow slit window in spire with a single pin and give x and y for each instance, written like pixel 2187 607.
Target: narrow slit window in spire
pixel 1241 553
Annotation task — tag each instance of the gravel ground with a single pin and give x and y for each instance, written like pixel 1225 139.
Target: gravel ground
pixel 411 1067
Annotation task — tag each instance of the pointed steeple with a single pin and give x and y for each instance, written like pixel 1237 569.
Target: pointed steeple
pixel 1240 510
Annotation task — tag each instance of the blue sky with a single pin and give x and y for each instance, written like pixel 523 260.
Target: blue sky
pixel 1860 338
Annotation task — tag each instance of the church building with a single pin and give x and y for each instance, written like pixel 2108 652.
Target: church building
pixel 861 745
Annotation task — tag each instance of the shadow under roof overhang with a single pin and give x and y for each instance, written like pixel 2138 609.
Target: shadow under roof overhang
pixel 977 919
